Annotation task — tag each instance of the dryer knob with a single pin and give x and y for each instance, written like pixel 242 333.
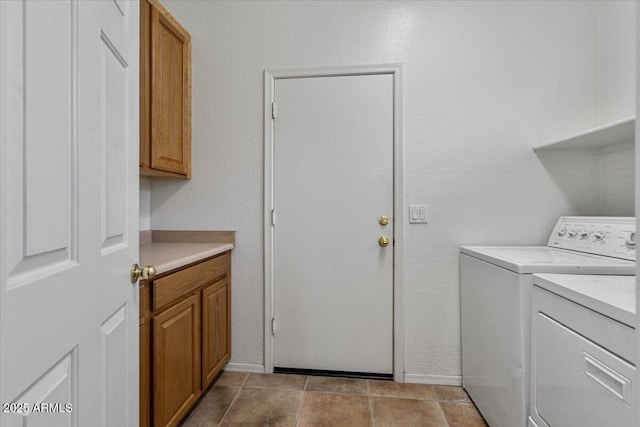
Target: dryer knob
pixel 562 232
pixel 599 235
pixel 573 233
pixel 631 241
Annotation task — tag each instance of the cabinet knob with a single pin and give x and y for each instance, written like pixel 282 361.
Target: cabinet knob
pixel 148 272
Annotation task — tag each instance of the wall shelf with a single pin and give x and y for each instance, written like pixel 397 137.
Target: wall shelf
pixel 597 139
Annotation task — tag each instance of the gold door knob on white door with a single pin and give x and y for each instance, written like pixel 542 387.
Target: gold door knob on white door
pixel 383 241
pixel 146 273
pixel 383 220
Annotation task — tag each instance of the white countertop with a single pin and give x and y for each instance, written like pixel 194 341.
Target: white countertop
pixel 612 296
pixel 167 256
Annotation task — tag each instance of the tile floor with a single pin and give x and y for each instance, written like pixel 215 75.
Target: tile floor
pixel 241 399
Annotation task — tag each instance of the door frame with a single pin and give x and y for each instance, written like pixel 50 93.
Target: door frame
pixel 270 77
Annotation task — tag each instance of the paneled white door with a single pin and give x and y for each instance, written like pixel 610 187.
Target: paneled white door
pixel 333 180
pixel 69 217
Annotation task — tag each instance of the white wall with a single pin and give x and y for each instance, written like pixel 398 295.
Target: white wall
pixel 617 60
pixel 145 204
pixel 600 183
pixel 617 101
pixel 483 83
pixel 617 196
pixel 610 174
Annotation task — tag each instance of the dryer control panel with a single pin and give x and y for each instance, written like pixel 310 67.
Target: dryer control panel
pixel 598 235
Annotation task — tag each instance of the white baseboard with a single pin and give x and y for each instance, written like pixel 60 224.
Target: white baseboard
pixel 455 380
pixel 244 367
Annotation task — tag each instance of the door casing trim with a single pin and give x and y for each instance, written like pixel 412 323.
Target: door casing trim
pixel 399 214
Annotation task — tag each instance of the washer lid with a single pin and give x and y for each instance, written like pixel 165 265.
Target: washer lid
pixel 543 259
pixel 612 296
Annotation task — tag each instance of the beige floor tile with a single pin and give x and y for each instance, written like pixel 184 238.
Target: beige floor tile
pixel 232 379
pixel 451 393
pixel 460 414
pixel 264 407
pixel 212 407
pixel 338 385
pixel 279 381
pixel 408 391
pixel 391 411
pixel 334 410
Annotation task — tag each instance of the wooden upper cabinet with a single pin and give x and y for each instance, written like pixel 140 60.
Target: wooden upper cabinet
pixel 165 94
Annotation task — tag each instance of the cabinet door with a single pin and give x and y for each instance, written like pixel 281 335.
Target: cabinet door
pixel 176 361
pixel 145 86
pixel 170 94
pixel 216 329
pixel 145 373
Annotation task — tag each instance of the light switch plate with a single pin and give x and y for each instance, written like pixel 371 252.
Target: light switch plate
pixel 418 214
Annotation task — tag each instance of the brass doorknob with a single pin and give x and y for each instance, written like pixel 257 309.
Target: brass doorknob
pixel 383 241
pixel 383 220
pixel 149 272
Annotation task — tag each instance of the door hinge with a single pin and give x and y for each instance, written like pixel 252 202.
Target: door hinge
pixel 273 217
pixel 273 326
pixel 273 110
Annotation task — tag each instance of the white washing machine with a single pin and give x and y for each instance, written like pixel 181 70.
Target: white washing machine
pixel 583 351
pixel 496 287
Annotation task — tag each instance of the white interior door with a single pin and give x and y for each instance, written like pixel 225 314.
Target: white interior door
pixel 333 179
pixel 69 225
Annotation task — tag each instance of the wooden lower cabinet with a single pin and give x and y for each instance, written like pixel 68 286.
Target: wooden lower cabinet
pixel 145 372
pixel 176 361
pixel 185 342
pixel 216 329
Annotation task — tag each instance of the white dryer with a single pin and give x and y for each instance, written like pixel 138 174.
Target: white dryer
pixel 583 351
pixel 496 287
